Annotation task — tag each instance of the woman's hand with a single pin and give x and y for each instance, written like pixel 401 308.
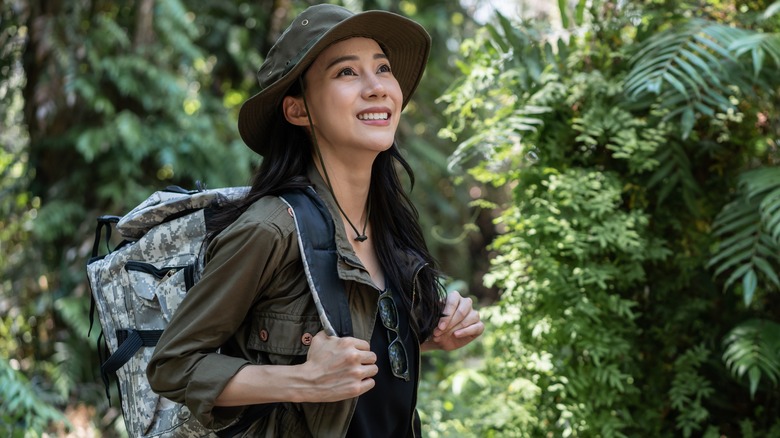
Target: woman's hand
pixel 335 369
pixel 459 325
pixel 339 368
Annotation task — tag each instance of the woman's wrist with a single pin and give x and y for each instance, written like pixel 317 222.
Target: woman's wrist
pixel 429 345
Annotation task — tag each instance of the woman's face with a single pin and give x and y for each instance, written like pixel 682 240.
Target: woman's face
pixel 354 99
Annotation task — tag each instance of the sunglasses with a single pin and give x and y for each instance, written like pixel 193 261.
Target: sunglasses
pixel 388 313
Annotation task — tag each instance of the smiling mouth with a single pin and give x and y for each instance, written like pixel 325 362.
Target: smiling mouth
pixel 373 116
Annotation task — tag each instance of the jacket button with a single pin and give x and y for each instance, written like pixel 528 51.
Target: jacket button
pixel 306 339
pixel 263 335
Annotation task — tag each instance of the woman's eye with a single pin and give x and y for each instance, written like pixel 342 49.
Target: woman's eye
pixel 384 68
pixel 347 72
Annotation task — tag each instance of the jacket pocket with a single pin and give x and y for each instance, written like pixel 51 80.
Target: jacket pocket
pixel 282 339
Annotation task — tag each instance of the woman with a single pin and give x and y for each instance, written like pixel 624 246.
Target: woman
pixel 333 88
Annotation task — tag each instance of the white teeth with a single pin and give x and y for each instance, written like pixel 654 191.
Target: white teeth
pixel 372 116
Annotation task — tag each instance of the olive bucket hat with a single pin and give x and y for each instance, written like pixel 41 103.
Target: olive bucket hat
pixel 405 43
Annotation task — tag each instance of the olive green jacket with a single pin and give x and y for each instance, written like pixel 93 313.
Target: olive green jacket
pixel 253 303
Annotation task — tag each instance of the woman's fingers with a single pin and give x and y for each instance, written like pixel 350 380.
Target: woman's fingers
pixel 340 368
pixel 460 324
pixel 470 330
pixel 456 309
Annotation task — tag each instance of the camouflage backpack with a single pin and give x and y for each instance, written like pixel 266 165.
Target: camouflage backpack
pixel 138 286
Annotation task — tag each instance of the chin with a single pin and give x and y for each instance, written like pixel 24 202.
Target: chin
pixel 379 145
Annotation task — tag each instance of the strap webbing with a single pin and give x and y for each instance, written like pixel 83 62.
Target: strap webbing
pixel 318 250
pixel 130 341
pixel 103 222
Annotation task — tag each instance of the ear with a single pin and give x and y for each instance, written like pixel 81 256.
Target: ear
pixel 295 111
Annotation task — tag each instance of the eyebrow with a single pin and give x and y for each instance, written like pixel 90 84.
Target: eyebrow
pixel 352 58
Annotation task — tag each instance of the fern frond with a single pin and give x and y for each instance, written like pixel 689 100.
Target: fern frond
pixel 690 389
pixel 743 251
pixel 764 185
pixel 770 215
pixel 753 348
pixel 682 55
pixel 690 68
pixel 759 46
pixel 23 409
pixel 750 230
pixel 504 132
pixel 674 172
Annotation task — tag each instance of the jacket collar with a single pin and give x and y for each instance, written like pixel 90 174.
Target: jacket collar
pixel 350 267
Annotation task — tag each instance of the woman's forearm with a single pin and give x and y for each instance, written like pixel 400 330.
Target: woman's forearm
pixel 257 384
pixel 336 369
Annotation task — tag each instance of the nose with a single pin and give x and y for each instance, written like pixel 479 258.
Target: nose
pixel 374 87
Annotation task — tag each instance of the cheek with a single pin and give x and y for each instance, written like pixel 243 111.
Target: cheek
pixel 338 97
pixel 395 91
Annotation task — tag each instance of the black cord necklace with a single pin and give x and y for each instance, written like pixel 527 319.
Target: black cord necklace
pixel 360 237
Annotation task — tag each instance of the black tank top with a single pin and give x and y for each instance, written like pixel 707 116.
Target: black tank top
pixel 387 410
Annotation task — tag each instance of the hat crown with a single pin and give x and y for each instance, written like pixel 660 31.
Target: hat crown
pixel 297 39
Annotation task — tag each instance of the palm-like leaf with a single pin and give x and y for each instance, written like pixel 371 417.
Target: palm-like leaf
pixel 692 67
pixel 764 185
pixel 753 348
pixel 750 231
pixel 759 46
pixel 674 171
pixel 505 62
pixel 773 9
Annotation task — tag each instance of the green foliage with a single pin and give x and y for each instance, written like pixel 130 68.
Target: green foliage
pixel 628 160
pixel 697 66
pixel 749 228
pixel 685 67
pixel 646 120
pixel 753 348
pixel 23 410
pixel 112 102
pixel 690 390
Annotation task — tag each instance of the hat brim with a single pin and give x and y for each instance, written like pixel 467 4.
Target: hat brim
pixel 407 46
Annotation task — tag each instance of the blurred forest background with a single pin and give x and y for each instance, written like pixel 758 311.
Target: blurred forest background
pixel 601 175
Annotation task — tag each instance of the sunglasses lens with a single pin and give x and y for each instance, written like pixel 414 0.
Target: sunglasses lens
pixel 388 313
pixel 398 362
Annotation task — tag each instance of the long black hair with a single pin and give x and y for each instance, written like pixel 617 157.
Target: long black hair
pixel 394 219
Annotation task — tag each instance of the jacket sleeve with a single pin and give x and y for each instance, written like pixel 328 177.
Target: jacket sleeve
pixel 185 366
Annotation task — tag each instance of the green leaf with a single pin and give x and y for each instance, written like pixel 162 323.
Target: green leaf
pixel 749 282
pixel 687 122
pixel 754 375
pixel 579 15
pixel 746 222
pixel 767 269
pixel 703 66
pixel 739 272
pixel 562 8
pixel 773 9
pixel 753 348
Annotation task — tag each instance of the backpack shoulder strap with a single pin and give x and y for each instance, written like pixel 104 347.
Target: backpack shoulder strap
pixel 318 251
